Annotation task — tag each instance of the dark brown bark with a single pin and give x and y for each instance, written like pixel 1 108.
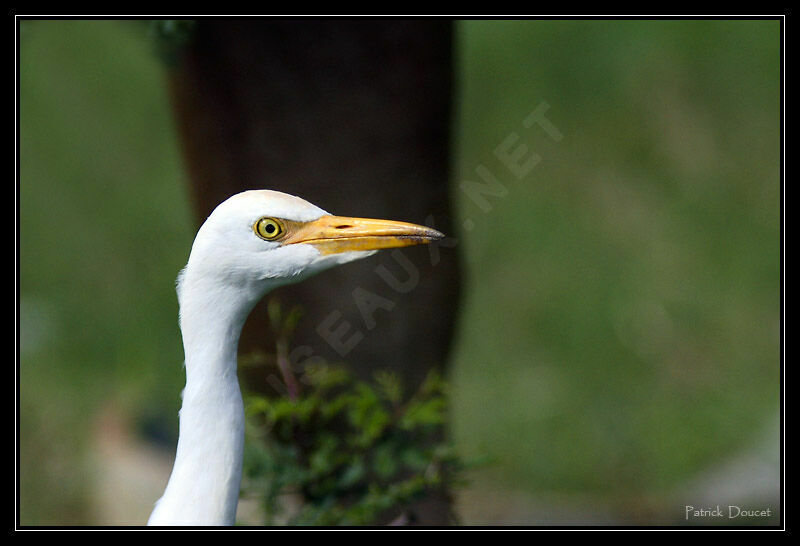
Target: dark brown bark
pixel 355 118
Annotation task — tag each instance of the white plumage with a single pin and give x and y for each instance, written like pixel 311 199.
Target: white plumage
pixel 253 242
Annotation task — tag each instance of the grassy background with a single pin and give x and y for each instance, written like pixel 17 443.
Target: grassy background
pixel 620 333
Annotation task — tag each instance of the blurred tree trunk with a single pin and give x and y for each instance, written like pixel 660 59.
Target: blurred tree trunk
pixel 355 118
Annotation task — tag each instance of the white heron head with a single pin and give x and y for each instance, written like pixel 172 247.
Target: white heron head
pixel 268 238
pixel 252 242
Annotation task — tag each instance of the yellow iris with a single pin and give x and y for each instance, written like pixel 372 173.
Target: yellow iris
pixel 268 229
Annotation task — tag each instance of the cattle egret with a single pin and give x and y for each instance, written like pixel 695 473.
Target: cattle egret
pixel 251 243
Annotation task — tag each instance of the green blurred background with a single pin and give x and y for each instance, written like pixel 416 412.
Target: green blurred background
pixel 618 352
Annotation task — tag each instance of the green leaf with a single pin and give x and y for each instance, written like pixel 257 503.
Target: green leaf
pixel 350 449
pixel 424 412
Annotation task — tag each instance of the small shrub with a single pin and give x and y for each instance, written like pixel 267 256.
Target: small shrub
pixel 351 452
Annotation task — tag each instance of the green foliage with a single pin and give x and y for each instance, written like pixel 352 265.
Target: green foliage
pixel 354 452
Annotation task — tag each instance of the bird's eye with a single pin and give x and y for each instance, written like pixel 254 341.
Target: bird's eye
pixel 268 228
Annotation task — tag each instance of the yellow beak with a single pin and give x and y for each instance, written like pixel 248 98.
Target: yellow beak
pixel 335 234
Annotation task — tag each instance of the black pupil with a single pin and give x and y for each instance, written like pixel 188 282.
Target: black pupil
pixel 270 228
